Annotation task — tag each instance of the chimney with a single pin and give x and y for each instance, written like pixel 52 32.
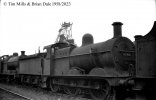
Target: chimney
pixel 22 53
pixel 117 29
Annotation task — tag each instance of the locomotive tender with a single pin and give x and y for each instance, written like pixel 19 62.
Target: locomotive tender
pixel 115 69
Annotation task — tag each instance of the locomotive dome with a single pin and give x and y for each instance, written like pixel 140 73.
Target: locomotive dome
pixel 87 39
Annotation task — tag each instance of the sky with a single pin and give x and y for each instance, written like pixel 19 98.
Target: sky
pixel 30 24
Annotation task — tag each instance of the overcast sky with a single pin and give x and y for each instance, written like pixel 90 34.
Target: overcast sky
pixel 28 26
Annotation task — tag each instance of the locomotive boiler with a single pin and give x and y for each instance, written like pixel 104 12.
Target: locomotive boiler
pixel 115 55
pixel 12 63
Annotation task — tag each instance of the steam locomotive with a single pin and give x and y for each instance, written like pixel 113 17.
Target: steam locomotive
pixel 116 69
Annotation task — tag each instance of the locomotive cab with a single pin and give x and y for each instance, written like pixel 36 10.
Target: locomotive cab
pixel 57 57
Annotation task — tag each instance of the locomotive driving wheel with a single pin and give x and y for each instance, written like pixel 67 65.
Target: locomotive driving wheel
pixel 72 90
pixel 99 90
pixel 53 87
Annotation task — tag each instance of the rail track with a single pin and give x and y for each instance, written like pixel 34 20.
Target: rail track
pixel 35 93
pixel 16 94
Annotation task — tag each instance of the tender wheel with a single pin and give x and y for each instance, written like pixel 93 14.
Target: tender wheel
pixel 53 87
pixel 99 90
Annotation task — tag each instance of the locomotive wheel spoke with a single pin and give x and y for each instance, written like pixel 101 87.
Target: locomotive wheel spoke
pixel 71 91
pixel 100 93
pixel 54 87
pixel 67 90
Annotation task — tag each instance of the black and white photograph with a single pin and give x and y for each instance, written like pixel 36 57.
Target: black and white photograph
pixel 77 49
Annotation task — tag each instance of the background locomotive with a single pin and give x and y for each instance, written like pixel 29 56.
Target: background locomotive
pixel 112 70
